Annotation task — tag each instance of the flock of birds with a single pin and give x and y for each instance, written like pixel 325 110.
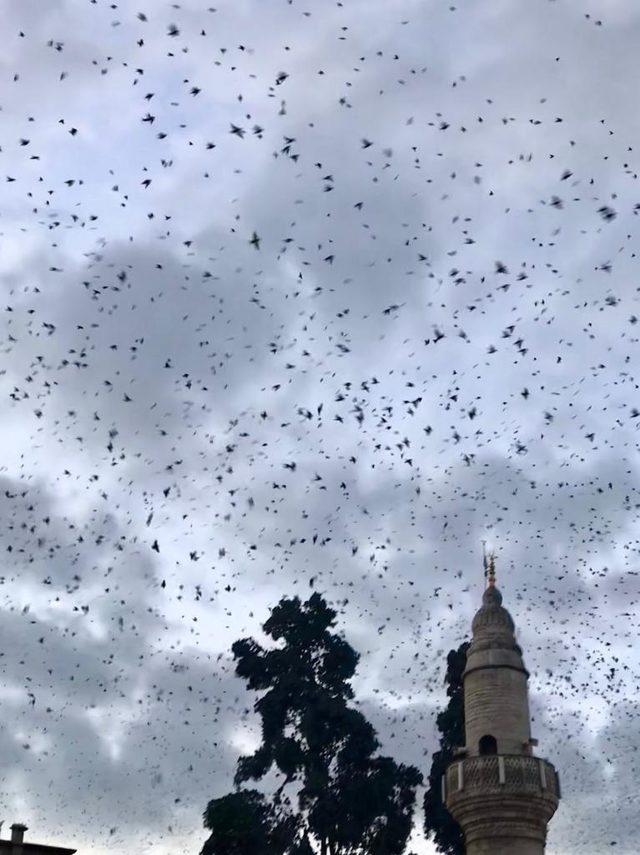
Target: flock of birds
pixel 308 298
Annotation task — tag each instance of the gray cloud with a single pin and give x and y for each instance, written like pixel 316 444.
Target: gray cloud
pixel 345 404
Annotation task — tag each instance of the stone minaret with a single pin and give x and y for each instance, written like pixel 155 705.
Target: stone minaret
pixel 500 794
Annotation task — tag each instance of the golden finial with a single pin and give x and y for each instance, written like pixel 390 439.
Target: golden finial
pixel 491 572
pixel 489 565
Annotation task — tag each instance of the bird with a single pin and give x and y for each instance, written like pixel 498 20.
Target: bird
pixel 236 373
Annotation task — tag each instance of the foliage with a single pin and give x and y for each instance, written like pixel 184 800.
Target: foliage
pixel 349 801
pixel 243 822
pixel 439 825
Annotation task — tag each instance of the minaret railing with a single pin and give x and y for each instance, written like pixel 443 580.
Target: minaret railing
pixel 498 772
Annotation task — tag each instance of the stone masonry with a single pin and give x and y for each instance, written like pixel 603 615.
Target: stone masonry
pixel 500 793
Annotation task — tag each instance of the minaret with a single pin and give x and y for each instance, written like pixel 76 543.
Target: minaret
pixel 500 794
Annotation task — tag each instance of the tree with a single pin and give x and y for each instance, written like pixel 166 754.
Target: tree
pixel 243 822
pixel 438 822
pixel 349 800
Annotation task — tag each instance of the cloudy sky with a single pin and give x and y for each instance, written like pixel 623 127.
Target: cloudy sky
pixel 431 341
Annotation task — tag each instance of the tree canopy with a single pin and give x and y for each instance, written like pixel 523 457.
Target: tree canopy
pixel 244 822
pixel 349 800
pixel 439 825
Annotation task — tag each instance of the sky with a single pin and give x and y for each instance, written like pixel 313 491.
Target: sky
pixel 304 296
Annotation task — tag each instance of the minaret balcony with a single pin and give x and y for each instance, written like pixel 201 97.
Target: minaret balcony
pixel 501 773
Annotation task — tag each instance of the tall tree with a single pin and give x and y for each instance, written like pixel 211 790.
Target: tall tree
pixel 244 823
pixel 350 801
pixel 439 825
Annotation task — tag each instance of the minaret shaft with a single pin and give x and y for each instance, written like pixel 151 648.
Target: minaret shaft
pixel 506 846
pixel 496 704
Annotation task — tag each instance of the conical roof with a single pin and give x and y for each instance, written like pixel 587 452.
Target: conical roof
pixel 493 630
pixel 492 618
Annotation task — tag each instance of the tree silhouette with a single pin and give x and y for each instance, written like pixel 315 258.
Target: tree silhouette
pixel 439 825
pixel 349 801
pixel 243 822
